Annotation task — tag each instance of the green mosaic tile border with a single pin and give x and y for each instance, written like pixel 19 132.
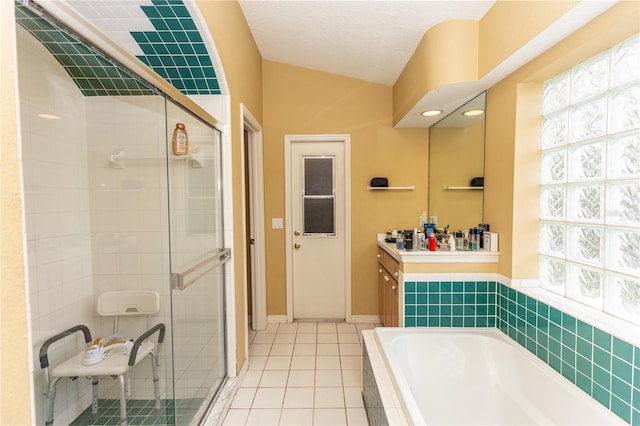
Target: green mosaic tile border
pixel 175 50
pixel 604 366
pixel 141 412
pixel 93 74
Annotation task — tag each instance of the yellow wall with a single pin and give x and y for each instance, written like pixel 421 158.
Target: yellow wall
pixel 242 65
pixel 15 407
pixel 511 195
pixel 303 101
pixel 460 154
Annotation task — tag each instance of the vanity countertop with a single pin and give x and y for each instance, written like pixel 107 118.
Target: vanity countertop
pixel 438 256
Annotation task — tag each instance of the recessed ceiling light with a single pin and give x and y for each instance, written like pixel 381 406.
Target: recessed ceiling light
pixel 431 112
pixel 50 116
pixel 473 112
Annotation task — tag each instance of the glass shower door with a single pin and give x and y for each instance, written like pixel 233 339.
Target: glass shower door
pixel 196 265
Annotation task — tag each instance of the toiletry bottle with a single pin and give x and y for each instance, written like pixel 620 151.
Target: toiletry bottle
pixel 465 240
pixel 452 242
pixel 400 241
pixel 180 140
pixel 432 242
pixel 423 219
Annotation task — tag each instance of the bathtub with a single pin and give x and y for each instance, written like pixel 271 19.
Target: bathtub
pixel 465 377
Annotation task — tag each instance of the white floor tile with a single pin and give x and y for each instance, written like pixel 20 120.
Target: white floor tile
pixel 274 379
pixel 264 417
pixel 298 398
pixel 304 349
pixel 327 349
pixel 328 362
pixel 353 398
pixel 282 349
pixel 285 338
pixel 296 417
pixel 306 338
pixel 265 338
pixel 327 338
pixel 327 328
pixel 348 338
pixel 328 378
pixel 346 328
pixel 303 362
pixel 352 378
pixel 349 349
pixel 288 328
pixel 329 417
pixel 259 349
pixel 251 379
pixel 329 398
pixel 244 398
pixel 272 327
pixel 236 417
pixel 268 398
pixel 357 417
pixel 307 328
pixel 351 362
pixel 301 378
pixel 276 362
pixel 257 362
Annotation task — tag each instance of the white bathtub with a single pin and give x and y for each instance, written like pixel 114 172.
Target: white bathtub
pixel 464 376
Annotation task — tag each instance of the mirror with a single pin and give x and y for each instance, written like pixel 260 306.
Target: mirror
pixel 456 157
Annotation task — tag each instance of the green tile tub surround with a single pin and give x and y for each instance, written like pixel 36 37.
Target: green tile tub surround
pixel 176 50
pixel 604 366
pixel 92 73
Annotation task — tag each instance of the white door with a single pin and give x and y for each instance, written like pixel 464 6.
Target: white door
pixel 318 236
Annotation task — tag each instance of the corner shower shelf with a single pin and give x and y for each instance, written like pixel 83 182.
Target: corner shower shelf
pixel 117 159
pixel 461 188
pixel 391 188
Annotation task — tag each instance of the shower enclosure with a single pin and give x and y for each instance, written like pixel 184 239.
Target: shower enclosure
pixel 108 206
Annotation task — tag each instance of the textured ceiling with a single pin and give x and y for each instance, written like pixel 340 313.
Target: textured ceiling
pixel 364 39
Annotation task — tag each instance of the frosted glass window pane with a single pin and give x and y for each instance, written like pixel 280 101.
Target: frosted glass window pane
pixel 554 166
pixel 585 284
pixel 586 203
pixel 623 250
pixel 552 274
pixel 318 176
pixel 556 93
pixel 586 244
pixel 586 162
pixel 622 296
pixel 319 216
pixel 624 156
pixel 552 201
pixel 624 109
pixel 552 239
pixel 588 120
pixel 554 130
pixel 625 61
pixel 623 203
pixel 590 78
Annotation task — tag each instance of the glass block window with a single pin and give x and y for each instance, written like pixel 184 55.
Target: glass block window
pixel 590 182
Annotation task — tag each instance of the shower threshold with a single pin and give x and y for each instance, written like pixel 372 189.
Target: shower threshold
pixel 141 412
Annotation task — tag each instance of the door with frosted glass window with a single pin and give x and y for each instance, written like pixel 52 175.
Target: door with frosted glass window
pixel 318 228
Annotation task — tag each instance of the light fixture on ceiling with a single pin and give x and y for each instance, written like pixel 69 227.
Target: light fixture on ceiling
pixel 431 112
pixel 50 116
pixel 473 112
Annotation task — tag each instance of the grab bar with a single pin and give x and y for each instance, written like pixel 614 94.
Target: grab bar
pixel 178 279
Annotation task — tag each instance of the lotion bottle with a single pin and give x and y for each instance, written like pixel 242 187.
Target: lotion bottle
pixel 180 140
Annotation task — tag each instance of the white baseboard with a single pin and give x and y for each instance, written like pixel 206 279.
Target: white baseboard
pixel 374 319
pixel 276 318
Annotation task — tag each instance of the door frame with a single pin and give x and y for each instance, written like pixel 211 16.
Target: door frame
pixel 256 213
pixel 289 140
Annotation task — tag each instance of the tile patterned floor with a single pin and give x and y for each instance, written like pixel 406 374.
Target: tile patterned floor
pixel 302 374
pixel 141 412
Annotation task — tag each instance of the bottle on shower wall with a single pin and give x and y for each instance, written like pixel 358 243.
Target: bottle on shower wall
pixel 180 140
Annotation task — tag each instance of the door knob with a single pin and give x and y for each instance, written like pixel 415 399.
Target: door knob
pixel 296 233
pixel 296 246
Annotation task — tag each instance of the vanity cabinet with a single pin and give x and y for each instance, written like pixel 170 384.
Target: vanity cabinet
pixel 388 272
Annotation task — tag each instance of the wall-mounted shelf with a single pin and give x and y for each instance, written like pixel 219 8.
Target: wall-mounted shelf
pixel 117 159
pixel 391 188
pixel 461 188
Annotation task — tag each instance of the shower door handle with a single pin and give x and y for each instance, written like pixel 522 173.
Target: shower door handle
pixel 203 268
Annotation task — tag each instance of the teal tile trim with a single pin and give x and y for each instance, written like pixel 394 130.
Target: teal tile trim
pixel 175 50
pixel 93 74
pixel 601 365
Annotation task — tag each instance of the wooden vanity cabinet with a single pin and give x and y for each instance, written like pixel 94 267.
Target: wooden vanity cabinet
pixel 388 272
